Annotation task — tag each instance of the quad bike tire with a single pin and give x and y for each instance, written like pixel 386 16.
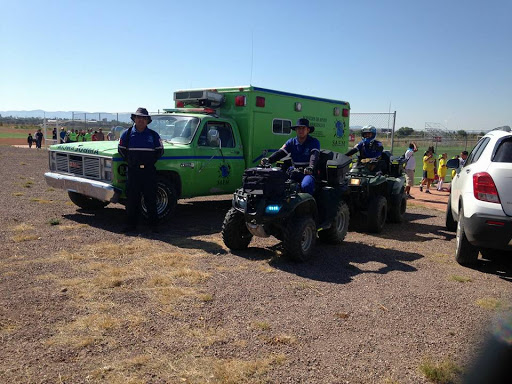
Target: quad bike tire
pixel 299 238
pixel 377 213
pixel 235 234
pixel 86 202
pixel 337 232
pixel 397 209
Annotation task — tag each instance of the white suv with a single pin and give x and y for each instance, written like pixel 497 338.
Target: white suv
pixel 480 203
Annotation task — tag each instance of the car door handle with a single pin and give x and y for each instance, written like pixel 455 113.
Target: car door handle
pixel 468 170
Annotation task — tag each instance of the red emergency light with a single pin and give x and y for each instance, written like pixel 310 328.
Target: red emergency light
pixel 345 112
pixel 240 101
pixel 180 104
pixel 260 101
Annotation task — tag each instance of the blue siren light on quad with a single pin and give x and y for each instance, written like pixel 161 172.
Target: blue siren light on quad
pixel 273 209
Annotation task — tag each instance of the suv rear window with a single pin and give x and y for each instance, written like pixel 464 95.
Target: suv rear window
pixel 504 152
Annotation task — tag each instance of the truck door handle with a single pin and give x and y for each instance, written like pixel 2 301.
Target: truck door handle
pixel 468 170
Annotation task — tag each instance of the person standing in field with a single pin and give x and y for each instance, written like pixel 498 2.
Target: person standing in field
pixel 141 147
pixel 410 165
pixel 39 138
pixel 428 170
pixel 441 171
pixel 100 136
pixel 62 135
pixel 30 140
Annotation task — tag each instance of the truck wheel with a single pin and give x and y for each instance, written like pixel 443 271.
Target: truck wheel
pixel 235 234
pixel 299 238
pixel 450 224
pixel 397 208
pixel 336 234
pixel 377 210
pixel 166 200
pixel 86 202
pixel 465 252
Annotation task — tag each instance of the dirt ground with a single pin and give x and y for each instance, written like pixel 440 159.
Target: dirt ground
pixel 82 303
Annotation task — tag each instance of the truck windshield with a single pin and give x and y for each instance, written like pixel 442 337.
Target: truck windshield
pixel 175 129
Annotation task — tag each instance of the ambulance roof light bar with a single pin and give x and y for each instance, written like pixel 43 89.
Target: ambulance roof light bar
pixel 207 111
pixel 200 98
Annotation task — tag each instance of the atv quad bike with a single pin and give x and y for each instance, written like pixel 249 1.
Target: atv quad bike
pixel 377 192
pixel 271 204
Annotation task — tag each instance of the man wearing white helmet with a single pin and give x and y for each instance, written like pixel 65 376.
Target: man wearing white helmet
pixel 368 147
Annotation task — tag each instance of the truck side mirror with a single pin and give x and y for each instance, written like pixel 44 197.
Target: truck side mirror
pixel 213 138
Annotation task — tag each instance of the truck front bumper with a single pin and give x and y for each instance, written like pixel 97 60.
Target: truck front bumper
pixel 91 188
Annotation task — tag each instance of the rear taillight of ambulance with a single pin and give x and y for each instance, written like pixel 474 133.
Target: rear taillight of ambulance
pixel 484 188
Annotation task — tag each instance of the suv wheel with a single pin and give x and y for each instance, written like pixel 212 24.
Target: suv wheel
pixel 450 224
pixel 235 234
pixel 465 253
pixel 300 238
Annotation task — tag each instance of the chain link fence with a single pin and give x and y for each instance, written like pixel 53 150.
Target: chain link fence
pixel 383 121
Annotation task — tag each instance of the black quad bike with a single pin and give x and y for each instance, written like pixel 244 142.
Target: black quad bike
pixel 271 204
pixel 377 192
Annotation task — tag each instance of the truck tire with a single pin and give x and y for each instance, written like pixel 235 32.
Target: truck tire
pixel 166 200
pixel 86 202
pixel 377 211
pixel 397 209
pixel 336 234
pixel 235 234
pixel 465 252
pixel 449 223
pixel 299 238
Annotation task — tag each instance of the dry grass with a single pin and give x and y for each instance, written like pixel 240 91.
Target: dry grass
pixel 443 372
pixel 489 303
pixel 460 279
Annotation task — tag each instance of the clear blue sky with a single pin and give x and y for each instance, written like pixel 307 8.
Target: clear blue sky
pixel 440 61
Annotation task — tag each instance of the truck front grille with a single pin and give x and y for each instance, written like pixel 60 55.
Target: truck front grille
pixel 85 166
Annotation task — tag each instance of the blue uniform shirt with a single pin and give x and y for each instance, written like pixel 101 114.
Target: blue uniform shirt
pixel 369 150
pixel 301 153
pixel 142 148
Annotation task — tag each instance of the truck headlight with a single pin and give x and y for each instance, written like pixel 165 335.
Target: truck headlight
pixel 108 163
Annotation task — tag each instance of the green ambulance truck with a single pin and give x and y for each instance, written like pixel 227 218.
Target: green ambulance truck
pixel 210 138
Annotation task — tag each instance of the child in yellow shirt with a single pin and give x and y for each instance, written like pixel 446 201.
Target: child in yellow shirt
pixel 441 170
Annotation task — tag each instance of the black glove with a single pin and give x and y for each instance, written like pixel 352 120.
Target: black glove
pixel 264 161
pixel 308 170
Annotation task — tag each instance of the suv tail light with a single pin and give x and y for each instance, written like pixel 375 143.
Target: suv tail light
pixel 484 188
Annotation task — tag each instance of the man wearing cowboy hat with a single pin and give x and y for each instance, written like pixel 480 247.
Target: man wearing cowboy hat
pixel 141 147
pixel 304 151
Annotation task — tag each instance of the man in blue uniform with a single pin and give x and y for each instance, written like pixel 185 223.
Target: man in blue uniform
pixel 368 147
pixel 141 147
pixel 304 151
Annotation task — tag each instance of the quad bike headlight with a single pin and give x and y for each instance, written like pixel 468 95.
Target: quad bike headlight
pixel 355 181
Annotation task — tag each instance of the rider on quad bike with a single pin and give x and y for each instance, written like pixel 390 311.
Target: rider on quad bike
pixel 289 204
pixel 376 184
pixel 304 151
pixel 368 147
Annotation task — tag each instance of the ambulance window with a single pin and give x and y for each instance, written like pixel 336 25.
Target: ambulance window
pixel 281 127
pixel 225 134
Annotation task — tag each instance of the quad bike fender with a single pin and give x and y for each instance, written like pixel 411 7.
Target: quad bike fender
pixel 395 185
pixel 304 205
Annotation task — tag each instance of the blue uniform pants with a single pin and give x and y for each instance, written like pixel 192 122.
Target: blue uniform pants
pixel 141 182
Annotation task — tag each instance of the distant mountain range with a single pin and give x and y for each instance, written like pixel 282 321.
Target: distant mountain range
pixel 67 115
